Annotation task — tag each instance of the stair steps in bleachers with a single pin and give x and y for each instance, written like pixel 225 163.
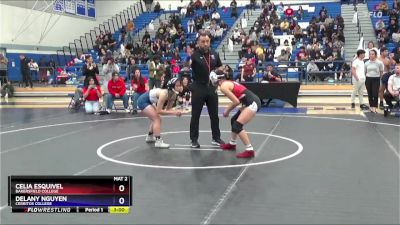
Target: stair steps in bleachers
pixel 232 58
pixel 350 31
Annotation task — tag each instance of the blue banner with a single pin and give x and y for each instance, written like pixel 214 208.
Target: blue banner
pixel 70 6
pixel 91 9
pixel 81 8
pixel 58 6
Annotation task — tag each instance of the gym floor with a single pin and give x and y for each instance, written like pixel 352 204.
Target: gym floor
pixel 308 169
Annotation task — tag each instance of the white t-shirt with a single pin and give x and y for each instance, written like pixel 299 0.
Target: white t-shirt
pixel 394 81
pixel 360 69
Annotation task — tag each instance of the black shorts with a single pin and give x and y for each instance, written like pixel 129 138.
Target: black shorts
pixel 251 101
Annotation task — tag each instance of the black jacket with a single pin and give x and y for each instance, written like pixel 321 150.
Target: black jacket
pixel 24 65
pixel 203 64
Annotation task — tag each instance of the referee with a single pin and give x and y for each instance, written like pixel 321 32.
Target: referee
pixel 204 60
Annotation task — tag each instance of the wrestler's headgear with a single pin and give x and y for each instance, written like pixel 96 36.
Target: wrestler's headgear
pixel 171 84
pixel 214 77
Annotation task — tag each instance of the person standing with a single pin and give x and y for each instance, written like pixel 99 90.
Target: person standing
pixel 3 69
pixel 358 79
pixel 204 61
pixel 90 69
pixel 25 71
pixel 386 63
pixel 374 71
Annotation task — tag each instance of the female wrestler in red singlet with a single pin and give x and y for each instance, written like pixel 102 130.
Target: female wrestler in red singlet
pixel 238 94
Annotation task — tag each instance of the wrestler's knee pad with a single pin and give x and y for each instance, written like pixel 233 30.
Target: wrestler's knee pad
pixel 237 127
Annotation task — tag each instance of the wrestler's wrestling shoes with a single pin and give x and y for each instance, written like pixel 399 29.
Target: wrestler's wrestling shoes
pixel 246 154
pixel 228 147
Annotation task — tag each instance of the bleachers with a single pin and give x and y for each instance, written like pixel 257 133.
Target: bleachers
pixel 191 37
pixel 373 7
pixel 310 11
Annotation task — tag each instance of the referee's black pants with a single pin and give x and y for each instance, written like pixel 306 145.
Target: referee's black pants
pixel 203 93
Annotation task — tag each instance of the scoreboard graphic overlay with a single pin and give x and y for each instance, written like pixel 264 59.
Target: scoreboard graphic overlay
pixel 70 194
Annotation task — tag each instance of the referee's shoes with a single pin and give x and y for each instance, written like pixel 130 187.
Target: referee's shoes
pixel 217 142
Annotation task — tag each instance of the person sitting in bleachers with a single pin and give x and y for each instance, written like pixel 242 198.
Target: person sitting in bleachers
pixel 383 38
pixel 270 75
pixel 146 37
pixel 383 7
pixel 248 71
pixel 289 12
pixel 198 4
pixel 139 86
pixel 260 53
pixel 270 53
pixel 284 26
pixel 249 54
pixel 393 27
pixel 300 13
pixel 379 26
pixel 392 92
pixel 284 56
pixel 117 90
pixel 236 36
pixel 215 16
pixel 396 36
pixel 313 71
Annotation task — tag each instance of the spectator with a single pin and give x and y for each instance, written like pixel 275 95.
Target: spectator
pixel 146 37
pixel 234 12
pixel 198 5
pixel 139 86
pixel 215 16
pixel 284 26
pixel 260 53
pixel 248 72
pixel 289 12
pixel 374 71
pixel 270 75
pixel 190 25
pixel 130 29
pixel 358 76
pixel 117 90
pixel 3 69
pixel 91 94
pixel 157 7
pixel 383 38
pixel 393 89
pixel 34 68
pixel 42 70
pixel 396 36
pixel 298 32
pixel 383 7
pixel 249 55
pixel 284 56
pixel 90 69
pixel 130 70
pixel 379 26
pixel 393 27
pixel 26 75
pixel 109 69
pixel 300 13
pixel 270 53
pixel 370 46
pixel 184 97
pixel 313 71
